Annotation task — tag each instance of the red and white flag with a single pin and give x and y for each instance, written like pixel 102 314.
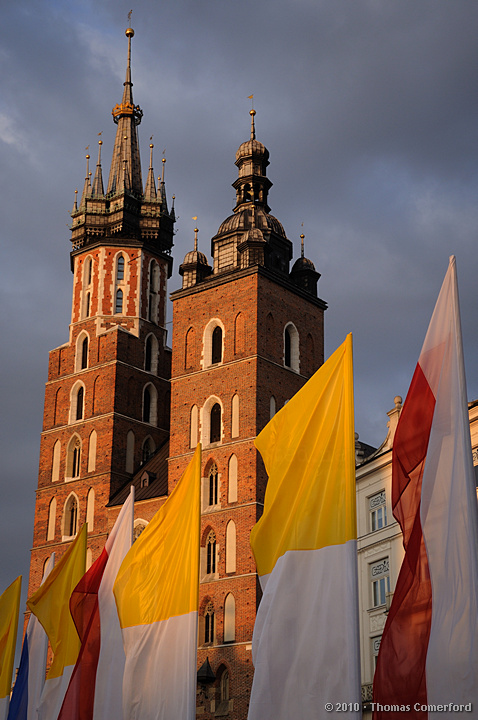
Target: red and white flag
pixel 429 649
pixel 95 689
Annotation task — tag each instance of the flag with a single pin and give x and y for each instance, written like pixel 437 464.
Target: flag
pixel 97 679
pixel 51 606
pixel 9 609
pixel 31 673
pixel 305 643
pixel 429 648
pixel 157 599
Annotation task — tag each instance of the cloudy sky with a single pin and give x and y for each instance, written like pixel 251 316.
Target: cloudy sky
pixel 369 109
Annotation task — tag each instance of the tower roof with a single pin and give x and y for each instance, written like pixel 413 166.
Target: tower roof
pixel 125 172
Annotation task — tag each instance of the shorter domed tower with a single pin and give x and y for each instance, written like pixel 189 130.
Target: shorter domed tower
pixel 195 266
pixel 303 273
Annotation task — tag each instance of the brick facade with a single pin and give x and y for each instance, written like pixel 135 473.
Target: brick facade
pixel 247 333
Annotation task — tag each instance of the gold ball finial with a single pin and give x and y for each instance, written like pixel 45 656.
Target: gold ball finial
pixel 129 32
pixel 100 142
pixel 174 197
pixel 302 236
pixel 163 160
pixel 151 145
pixel 252 112
pixel 87 157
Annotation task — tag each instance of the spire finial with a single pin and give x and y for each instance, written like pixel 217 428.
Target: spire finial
pixel 163 168
pixel 302 236
pixel 75 204
pixel 151 146
pixel 253 129
pixel 196 230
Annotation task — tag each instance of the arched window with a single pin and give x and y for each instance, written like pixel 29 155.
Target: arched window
pixel 231 547
pixel 55 470
pixel 88 269
pixel 235 416
pixel 79 402
pixel 139 526
pixel 216 351
pixel 209 624
pixel 190 349
pixel 239 334
pixel 232 479
pixel 120 268
pixel 272 407
pixel 229 618
pixel 90 509
pixel 87 304
pixel 213 485
pixel 211 553
pixel 92 451
pixel 193 427
pixel 147 405
pixel 51 520
pixel 291 347
pixel 148 449
pixel 215 427
pixel 84 353
pixel 73 458
pixel 150 405
pixel 287 348
pixel 148 351
pixel 119 302
pixel 70 517
pixel 224 688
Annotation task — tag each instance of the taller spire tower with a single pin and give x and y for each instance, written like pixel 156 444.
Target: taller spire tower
pixel 107 398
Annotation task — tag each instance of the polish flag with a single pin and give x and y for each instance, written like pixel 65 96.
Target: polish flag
pixel 429 649
pixel 95 689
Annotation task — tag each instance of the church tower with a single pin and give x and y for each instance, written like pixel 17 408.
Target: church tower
pixel 247 334
pixel 107 396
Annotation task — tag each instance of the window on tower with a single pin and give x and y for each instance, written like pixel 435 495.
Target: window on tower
pixel 211 553
pixel 147 405
pixel 216 354
pixel 119 302
pixel 215 430
pixel 79 402
pixel 84 353
pixel 70 517
pixel 148 353
pixel 209 624
pixel 120 268
pixel 213 485
pixel 73 458
pixel 291 347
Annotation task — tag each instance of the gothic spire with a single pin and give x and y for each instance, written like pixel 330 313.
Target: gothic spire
pixel 150 189
pixel 126 116
pixel 97 189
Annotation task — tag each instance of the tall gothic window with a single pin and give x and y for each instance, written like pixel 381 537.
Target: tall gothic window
pixel 148 353
pixel 119 302
pixel 120 268
pixel 80 396
pixel 147 405
pixel 287 348
pixel 211 553
pixel 209 624
pixel 70 520
pixel 84 354
pixel 216 355
pixel 213 485
pixel 215 432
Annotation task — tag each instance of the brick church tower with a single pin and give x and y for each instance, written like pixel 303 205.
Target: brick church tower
pixel 247 333
pixel 121 408
pixel 107 396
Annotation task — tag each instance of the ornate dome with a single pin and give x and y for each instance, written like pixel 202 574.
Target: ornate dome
pixel 303 263
pixel 240 221
pixel 252 147
pixel 194 257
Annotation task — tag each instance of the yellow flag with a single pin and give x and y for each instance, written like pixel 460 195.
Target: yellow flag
pixel 159 577
pixel 9 609
pixel 51 605
pixel 308 449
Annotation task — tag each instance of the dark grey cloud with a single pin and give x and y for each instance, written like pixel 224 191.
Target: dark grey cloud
pixel 370 113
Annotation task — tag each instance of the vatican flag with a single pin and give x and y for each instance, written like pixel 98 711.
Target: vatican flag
pixel 156 593
pixel 51 605
pixel 9 610
pixel 305 645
